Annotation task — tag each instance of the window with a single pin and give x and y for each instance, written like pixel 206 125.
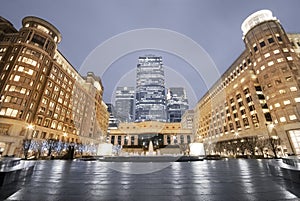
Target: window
pixel 262 44
pixel 285 49
pixel 268 116
pixel 270 40
pixel 282 91
pixel 255 48
pixel 38 40
pixel 280 60
pixel 267 55
pixel 282 119
pixel 293 117
pixel 16 78
pixel 297 100
pixel 276 51
pixel 279 38
pixel 278 81
pixel 251 108
pixel 271 63
pixel 286 102
pixel 293 88
pixel 288 79
pixel 289 58
pixel 277 104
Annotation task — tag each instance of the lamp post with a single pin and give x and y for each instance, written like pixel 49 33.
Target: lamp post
pixel 27 140
pixel 273 140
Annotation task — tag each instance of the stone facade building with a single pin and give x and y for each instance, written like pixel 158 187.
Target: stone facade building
pixel 42 96
pixel 259 95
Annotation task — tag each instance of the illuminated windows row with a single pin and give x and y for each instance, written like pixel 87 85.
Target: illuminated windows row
pixel 10 112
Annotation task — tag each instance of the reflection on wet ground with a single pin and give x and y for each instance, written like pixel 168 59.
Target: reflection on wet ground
pixel 241 179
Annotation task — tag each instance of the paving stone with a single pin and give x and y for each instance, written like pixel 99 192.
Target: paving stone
pixel 241 179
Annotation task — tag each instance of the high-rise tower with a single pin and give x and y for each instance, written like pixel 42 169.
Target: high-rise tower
pixel 150 90
pixel 177 103
pixel 124 103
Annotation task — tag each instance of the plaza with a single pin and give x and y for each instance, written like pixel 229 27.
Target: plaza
pixel 231 179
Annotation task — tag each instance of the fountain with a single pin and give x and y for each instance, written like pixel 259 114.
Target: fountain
pixel 150 149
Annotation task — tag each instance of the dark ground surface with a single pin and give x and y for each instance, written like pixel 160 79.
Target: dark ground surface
pixel 240 179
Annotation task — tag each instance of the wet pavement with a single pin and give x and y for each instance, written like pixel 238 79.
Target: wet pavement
pixel 241 179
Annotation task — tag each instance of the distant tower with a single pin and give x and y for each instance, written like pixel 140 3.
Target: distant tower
pixel 124 103
pixel 177 103
pixel 150 90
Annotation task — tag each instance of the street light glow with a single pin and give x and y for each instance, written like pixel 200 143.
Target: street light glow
pixel 30 126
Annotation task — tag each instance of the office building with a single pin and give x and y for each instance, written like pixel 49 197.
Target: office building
pixel 42 97
pixel 177 103
pixel 150 103
pixel 124 104
pixel 258 97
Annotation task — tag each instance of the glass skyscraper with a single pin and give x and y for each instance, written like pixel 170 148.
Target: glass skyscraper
pixel 177 103
pixel 150 90
pixel 124 103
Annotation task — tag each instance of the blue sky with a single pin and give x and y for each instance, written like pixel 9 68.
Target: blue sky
pixel 213 24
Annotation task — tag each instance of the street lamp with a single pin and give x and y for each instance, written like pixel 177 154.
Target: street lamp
pixel 273 140
pixel 27 140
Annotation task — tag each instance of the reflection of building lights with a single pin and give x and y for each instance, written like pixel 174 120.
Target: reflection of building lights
pixel 236 134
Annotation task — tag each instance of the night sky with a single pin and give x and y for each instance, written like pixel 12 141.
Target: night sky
pixel 213 24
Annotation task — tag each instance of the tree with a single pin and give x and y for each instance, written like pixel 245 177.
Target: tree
pixel 273 143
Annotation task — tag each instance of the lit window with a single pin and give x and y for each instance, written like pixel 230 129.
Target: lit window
pixel 270 63
pixel 254 64
pixel 259 59
pixel 286 102
pixel 21 69
pixel 276 51
pixel 23 91
pixel 30 72
pixel 280 60
pixel 289 58
pixel 293 88
pixel 277 104
pixel 267 55
pixel 285 50
pixel 293 117
pixel 282 119
pixel 7 99
pixel 45 100
pixel 297 100
pixel 51 104
pixel 262 68
pixel 271 107
pixel 3 49
pixel 17 78
pixel 282 91
pixel 9 112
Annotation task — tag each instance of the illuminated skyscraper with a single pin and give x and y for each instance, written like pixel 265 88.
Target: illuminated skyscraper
pixel 124 103
pixel 177 103
pixel 150 90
